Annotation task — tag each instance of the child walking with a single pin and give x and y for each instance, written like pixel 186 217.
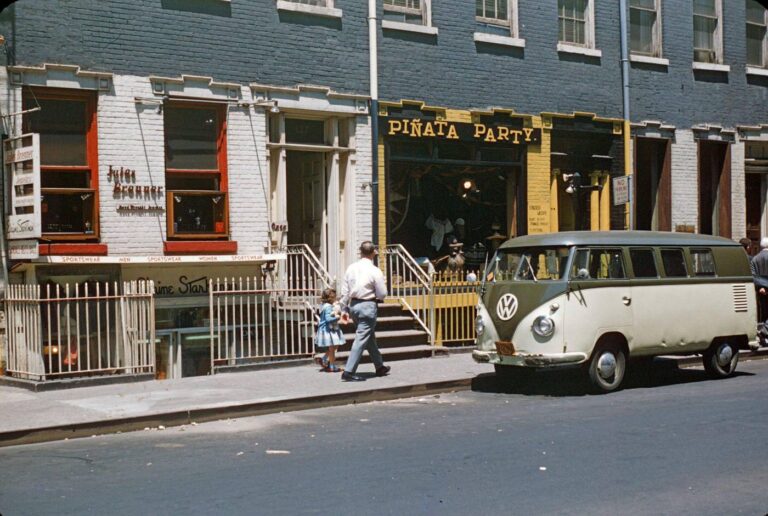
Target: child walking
pixel 328 333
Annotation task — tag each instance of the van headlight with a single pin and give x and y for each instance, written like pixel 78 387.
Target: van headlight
pixel 479 325
pixel 543 326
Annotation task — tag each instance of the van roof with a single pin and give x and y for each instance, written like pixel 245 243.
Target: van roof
pixel 642 238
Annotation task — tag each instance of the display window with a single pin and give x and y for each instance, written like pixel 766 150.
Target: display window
pixel 66 122
pixel 195 171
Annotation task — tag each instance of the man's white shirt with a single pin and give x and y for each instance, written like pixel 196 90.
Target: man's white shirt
pixel 363 280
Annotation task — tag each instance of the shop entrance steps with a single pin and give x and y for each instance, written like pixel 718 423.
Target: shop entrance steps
pixel 398 336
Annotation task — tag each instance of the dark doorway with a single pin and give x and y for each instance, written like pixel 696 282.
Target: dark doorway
pixel 653 184
pixel 715 188
pixel 753 191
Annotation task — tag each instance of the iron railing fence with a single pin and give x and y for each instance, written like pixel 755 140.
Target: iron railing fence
pixel 272 317
pixel 455 303
pixel 411 286
pixel 59 331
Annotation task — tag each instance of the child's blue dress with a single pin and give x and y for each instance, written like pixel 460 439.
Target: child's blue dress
pixel 328 332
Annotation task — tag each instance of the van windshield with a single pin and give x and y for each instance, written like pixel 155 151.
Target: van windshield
pixel 528 264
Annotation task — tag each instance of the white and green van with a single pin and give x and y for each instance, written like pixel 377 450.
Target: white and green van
pixel 597 299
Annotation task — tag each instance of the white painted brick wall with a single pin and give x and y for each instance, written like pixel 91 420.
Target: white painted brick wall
pixel 131 135
pixel 738 192
pixel 248 171
pixel 363 177
pixel 684 180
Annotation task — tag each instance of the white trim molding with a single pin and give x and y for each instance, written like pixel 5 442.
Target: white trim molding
pixel 195 86
pixel 327 12
pixel 496 39
pixel 306 97
pixel 576 49
pixel 60 76
pixel 638 58
pixel 408 27
pixel 711 67
pixel 755 70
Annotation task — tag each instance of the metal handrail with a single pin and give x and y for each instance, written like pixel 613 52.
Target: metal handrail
pixel 409 262
pixel 313 260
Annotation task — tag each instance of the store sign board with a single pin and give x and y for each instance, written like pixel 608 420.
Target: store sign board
pixel 193 279
pixel 22 172
pixel 490 134
pixel 621 190
pixel 23 249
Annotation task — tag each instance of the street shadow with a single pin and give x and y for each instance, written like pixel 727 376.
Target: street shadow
pixel 574 382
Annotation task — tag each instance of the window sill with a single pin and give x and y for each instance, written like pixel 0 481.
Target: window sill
pixel 711 67
pixel 495 39
pixel 635 58
pixel 327 12
pixel 73 249
pixel 408 27
pixel 200 247
pixel 575 49
pixel 754 70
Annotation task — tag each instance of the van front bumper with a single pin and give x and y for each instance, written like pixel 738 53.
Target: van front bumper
pixel 529 359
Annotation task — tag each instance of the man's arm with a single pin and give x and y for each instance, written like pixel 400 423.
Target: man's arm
pixel 380 285
pixel 344 298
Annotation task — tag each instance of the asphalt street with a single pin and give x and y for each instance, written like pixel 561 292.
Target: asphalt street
pixel 672 442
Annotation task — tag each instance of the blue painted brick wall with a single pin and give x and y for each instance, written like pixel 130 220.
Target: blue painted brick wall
pixel 242 41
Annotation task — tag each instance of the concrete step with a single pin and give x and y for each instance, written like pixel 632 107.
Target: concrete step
pixel 388 323
pixel 394 354
pixel 391 339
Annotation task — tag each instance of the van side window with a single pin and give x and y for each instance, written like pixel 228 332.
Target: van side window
pixel 598 264
pixel 643 263
pixel 674 263
pixel 703 262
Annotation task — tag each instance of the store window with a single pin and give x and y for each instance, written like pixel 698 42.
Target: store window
pixel 707 31
pixel 645 27
pixel 195 171
pixel 757 42
pixel 576 22
pixel 66 122
pixel 408 11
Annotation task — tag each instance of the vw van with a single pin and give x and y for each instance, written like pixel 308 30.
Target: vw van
pixel 598 299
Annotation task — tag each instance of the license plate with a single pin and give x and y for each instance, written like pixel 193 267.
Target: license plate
pixel 505 348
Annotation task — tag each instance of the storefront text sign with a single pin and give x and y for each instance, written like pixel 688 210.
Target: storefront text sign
pixel 23 249
pixel 22 172
pixel 125 187
pixel 477 132
pixel 621 190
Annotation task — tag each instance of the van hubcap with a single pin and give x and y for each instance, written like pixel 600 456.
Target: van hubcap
pixel 606 366
pixel 724 355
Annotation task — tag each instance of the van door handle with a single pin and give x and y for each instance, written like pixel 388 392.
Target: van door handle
pixel 626 300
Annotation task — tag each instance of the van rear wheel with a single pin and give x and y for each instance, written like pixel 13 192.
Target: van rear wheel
pixel 607 368
pixel 721 359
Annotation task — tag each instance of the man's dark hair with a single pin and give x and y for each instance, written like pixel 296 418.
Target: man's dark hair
pixel 367 249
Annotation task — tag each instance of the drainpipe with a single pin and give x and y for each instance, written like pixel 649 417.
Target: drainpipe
pixel 625 93
pixel 374 79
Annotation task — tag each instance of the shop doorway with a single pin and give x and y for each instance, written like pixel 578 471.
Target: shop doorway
pixel 756 184
pixel 307 200
pixel 715 188
pixel 653 184
pixel 431 204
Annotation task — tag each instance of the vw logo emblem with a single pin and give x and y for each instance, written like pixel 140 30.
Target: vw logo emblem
pixel 507 307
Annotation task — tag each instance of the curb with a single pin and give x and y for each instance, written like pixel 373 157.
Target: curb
pixel 200 415
pixel 744 356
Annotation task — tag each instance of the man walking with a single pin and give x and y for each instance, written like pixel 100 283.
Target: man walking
pixel 363 288
pixel 759 265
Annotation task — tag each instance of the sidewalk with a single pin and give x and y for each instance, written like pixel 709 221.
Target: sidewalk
pixel 28 417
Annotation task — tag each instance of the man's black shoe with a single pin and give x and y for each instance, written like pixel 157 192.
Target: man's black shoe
pixel 383 370
pixel 351 377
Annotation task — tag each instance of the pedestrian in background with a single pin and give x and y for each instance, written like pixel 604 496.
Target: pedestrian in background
pixel 329 334
pixel 759 266
pixel 363 288
pixel 746 243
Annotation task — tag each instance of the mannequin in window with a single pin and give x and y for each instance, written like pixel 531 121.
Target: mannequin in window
pixel 440 225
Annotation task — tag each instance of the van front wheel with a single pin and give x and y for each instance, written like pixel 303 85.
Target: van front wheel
pixel 720 359
pixel 607 367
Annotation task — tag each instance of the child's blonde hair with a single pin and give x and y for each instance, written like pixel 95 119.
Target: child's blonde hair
pixel 327 293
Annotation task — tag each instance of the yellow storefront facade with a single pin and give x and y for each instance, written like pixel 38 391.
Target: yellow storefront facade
pixel 495 171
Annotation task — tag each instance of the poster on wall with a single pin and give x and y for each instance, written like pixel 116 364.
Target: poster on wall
pixel 621 190
pixel 22 174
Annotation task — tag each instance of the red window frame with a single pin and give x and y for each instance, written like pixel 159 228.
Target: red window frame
pixel 220 173
pixel 29 94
